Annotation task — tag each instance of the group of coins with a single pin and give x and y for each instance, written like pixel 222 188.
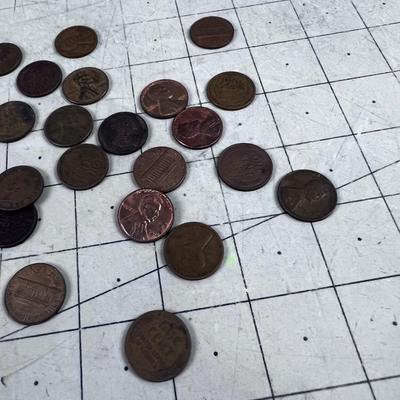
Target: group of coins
pixel 158 343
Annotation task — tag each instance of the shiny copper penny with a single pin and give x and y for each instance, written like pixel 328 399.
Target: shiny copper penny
pixel 145 215
pixel 16 121
pixel 10 58
pixel 158 346
pixel 197 127
pixel 231 90
pixel 85 86
pixel 76 41
pixel 160 168
pixel 211 32
pixel 34 294
pixel 164 98
pixel 307 195
pixel 82 167
pixel 39 78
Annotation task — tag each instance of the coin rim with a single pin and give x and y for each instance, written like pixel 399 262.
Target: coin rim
pixel 84 54
pixel 19 60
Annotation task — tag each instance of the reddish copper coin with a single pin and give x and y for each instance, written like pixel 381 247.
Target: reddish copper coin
pixel 211 32
pixel 76 41
pixel 16 121
pixel 158 346
pixel 10 58
pixel 145 215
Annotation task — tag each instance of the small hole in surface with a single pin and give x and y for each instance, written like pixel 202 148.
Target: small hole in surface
pixel 239 124
pixel 215 353
pixel 394 323
pixel 40 157
pixel 112 207
pixel 36 383
pixel 39 219
pixel 307 113
pixel 373 101
pixel 287 64
pixel 269 22
pixel 126 368
pixel 305 338
pixel 118 280
pixel 348 54
pixel 155 40
pixel 330 170
pixel 279 252
pixel 359 239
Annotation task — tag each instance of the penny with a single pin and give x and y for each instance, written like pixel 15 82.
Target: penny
pixel 85 86
pixel 39 78
pixel 160 168
pixel 123 133
pixel 164 98
pixel 158 346
pixel 82 167
pixel 68 126
pixel 193 251
pixel 16 121
pixel 10 58
pixel 211 32
pixel 76 41
pixel 231 90
pixel 34 294
pixel 145 215
pixel 307 195
pixel 197 127
pixel 244 166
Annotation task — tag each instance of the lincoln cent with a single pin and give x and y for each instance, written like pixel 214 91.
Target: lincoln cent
pixel 16 121
pixel 211 32
pixel 10 58
pixel 76 41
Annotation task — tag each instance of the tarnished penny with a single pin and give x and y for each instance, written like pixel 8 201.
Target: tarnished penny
pixel 10 58
pixel 34 294
pixel 160 168
pixel 76 41
pixel 193 251
pixel 197 127
pixel 231 90
pixel 39 78
pixel 164 98
pixel 307 195
pixel 85 86
pixel 68 126
pixel 244 166
pixel 211 32
pixel 16 121
pixel 158 346
pixel 123 133
pixel 145 215
pixel 82 167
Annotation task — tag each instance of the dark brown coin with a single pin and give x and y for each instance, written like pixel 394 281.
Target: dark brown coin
pixel 160 168
pixel 16 121
pixel 68 126
pixel 158 346
pixel 39 78
pixel 307 195
pixel 244 166
pixel 10 58
pixel 123 133
pixel 76 41
pixel 197 127
pixel 164 98
pixel 193 251
pixel 145 215
pixel 211 32
pixel 231 90
pixel 85 86
pixel 34 294
pixel 82 167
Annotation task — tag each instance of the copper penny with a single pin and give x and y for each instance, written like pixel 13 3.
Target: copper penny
pixel 34 294
pixel 307 195
pixel 158 346
pixel 145 215
pixel 197 127
pixel 193 251
pixel 160 168
pixel 10 58
pixel 82 167
pixel 211 32
pixel 231 90
pixel 16 121
pixel 164 98
pixel 76 41
pixel 85 86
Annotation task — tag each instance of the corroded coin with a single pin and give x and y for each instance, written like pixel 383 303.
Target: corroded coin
pixel 76 41
pixel 158 346
pixel 307 195
pixel 16 121
pixel 211 32
pixel 10 58
pixel 34 294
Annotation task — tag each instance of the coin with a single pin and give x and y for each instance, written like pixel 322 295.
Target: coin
pixel 158 346
pixel 82 167
pixel 123 133
pixel 10 58
pixel 164 98
pixel 39 78
pixel 193 251
pixel 160 168
pixel 16 121
pixel 145 215
pixel 85 86
pixel 307 195
pixel 244 166
pixel 68 126
pixel 197 127
pixel 211 32
pixel 231 90
pixel 34 294
pixel 76 41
